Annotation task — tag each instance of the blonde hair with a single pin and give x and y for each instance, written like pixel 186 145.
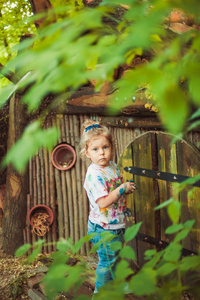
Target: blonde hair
pixel 89 132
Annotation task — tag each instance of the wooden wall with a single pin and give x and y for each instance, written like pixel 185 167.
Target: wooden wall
pixel 63 191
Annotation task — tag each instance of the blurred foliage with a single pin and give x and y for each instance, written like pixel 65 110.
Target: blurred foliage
pixel 163 275
pixel 26 147
pixel 90 43
pixel 13 25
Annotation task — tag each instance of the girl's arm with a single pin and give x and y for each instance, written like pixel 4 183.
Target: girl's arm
pixel 124 188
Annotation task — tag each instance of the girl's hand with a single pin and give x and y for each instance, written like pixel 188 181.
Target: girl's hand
pixel 113 197
pixel 129 187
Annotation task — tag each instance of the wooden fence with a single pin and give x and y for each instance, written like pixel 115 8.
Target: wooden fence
pixel 63 191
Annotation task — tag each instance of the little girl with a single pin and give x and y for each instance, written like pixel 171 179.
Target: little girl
pixel 106 193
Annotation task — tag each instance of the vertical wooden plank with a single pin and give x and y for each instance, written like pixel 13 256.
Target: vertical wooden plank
pixel 34 192
pixel 53 204
pixel 59 190
pixel 187 158
pixel 69 185
pixel 59 201
pixel 73 186
pixel 163 143
pixel 42 175
pixel 46 175
pixel 114 155
pixel 28 226
pixel 64 187
pixel 154 157
pixel 127 161
pixel 31 179
pixel 144 195
pixel 30 197
pixel 38 179
pixel 47 191
pixel 79 180
pixel 42 190
pixel 167 163
pixel 85 199
pixel 34 183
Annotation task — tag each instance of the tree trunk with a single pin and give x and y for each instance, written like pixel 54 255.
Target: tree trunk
pixel 16 184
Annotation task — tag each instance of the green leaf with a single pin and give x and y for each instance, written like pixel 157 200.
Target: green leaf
pixel 193 125
pixel 191 180
pixel 189 224
pixel 107 236
pixel 194 82
pixel 59 258
pixel 77 246
pixel 144 282
pixel 123 270
pixel 6 93
pixel 196 114
pixel 173 108
pixel 190 262
pixel 95 247
pixel 173 228
pixel 149 253
pixel 22 250
pixel 63 245
pixel 26 147
pixel 155 38
pixel 154 260
pixel 127 252
pixel 174 210
pixel 74 276
pixel 173 252
pixel 34 254
pixel 181 235
pixel 166 269
pixel 55 280
pixel 131 232
pixel 164 204
pixel 115 246
pixel 39 242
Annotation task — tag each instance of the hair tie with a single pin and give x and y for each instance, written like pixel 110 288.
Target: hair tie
pixel 92 126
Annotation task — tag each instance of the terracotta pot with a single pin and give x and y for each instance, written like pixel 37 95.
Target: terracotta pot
pixel 63 157
pixel 41 208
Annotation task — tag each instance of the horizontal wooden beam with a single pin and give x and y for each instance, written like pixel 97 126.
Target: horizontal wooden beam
pixel 86 100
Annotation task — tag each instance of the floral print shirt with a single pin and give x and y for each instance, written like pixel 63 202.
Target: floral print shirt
pixel 99 182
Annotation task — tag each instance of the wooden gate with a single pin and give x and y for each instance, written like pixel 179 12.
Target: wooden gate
pixel 154 151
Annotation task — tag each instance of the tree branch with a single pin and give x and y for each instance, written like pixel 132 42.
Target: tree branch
pixel 39 6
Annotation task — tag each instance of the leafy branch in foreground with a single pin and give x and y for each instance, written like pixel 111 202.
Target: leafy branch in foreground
pixel 33 138
pixel 87 47
pixel 161 277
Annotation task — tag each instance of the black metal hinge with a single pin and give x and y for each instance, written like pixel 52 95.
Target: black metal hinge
pixel 159 175
pixel 162 244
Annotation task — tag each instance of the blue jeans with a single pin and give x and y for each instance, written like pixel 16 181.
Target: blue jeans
pixel 107 257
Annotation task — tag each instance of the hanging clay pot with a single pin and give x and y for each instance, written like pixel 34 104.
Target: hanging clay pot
pixel 42 209
pixel 63 157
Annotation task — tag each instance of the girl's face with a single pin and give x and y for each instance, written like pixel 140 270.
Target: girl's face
pixel 99 151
